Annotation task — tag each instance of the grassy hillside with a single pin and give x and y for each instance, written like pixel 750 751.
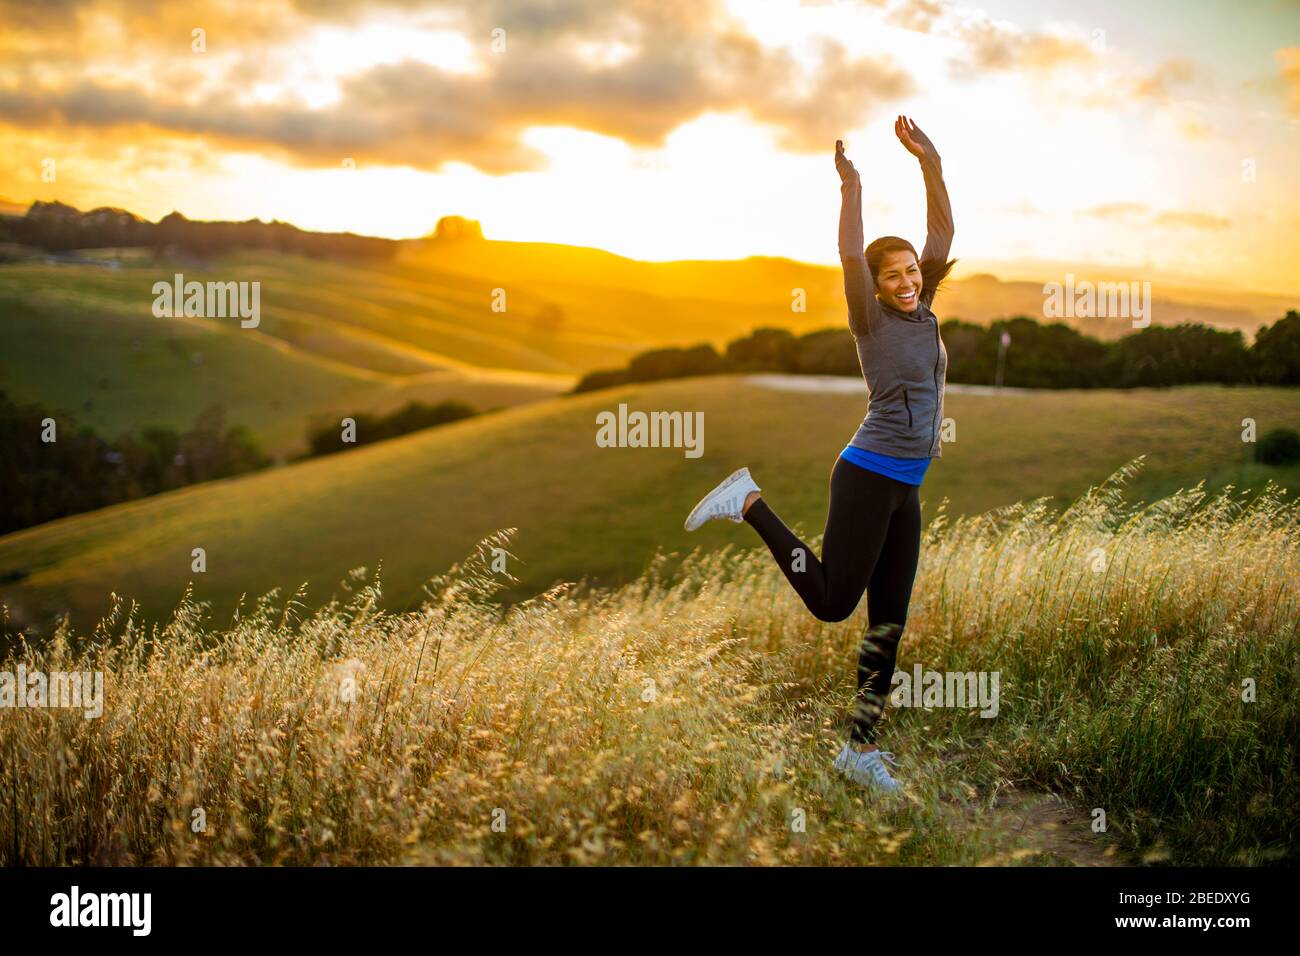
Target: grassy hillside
pixel 419 503
pixel 410 317
pixel 84 340
pixel 336 336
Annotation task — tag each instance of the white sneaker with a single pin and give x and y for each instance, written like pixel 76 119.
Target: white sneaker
pixel 724 501
pixel 868 768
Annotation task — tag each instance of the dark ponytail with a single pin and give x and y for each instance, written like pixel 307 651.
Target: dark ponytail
pixel 933 274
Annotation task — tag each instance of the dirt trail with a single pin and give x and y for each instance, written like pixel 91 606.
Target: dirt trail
pixel 852 385
pixel 1022 824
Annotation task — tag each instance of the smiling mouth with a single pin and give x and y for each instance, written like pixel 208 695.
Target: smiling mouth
pixel 909 298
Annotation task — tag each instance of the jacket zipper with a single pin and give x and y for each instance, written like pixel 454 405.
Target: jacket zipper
pixel 909 408
pixel 934 420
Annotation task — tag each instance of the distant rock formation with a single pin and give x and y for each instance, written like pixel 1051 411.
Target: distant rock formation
pixel 458 227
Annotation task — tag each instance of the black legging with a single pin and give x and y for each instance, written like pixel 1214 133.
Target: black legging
pixel 872 542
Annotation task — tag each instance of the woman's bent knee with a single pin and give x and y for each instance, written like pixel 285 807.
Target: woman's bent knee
pixel 833 613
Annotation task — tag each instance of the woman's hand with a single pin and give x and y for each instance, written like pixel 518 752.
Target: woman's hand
pixel 913 139
pixel 842 164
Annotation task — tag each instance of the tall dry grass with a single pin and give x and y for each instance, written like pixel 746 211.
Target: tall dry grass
pixel 691 717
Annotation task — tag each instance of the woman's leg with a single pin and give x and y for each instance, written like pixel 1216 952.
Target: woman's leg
pixel 889 593
pixel 856 524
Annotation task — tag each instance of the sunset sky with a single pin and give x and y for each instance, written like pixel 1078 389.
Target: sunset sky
pixel 1112 133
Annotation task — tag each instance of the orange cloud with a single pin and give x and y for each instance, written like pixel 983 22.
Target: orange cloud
pixel 1170 77
pixel 994 47
pixel 1139 213
pixel 1118 210
pixel 920 16
pixel 683 60
pixel 1191 220
pixel 1288 61
pixel 1158 85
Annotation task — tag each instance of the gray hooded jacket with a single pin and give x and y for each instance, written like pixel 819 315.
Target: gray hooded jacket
pixel 903 358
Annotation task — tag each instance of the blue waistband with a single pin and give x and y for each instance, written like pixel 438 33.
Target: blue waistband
pixel 910 471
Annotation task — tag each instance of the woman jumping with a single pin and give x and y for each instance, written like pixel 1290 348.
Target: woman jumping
pixel 873 529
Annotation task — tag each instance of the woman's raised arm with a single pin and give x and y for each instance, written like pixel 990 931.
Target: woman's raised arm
pixel 859 289
pixel 938 211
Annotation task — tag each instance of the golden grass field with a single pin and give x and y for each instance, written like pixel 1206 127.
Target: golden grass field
pixel 690 716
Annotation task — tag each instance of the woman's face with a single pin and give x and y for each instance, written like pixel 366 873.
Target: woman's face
pixel 898 281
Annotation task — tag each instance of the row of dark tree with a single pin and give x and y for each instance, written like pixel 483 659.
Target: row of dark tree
pixel 326 436
pixel 1039 356
pixel 56 227
pixel 78 470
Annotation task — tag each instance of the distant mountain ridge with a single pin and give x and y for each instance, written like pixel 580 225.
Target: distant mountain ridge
pixel 57 227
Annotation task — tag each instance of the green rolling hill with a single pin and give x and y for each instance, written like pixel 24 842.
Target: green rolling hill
pixel 83 340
